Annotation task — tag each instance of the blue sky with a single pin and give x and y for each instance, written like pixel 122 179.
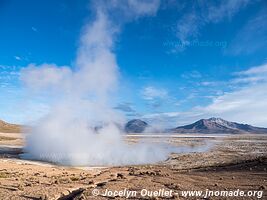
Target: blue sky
pixel 184 61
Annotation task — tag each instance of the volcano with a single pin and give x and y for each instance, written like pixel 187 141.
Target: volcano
pixel 217 125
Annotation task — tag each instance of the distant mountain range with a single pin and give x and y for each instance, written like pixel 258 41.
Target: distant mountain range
pixel 211 125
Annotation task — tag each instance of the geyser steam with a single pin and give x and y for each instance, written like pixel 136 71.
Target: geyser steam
pixel 81 128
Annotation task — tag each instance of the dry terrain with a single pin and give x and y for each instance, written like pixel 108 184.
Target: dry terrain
pixel 9 128
pixel 220 163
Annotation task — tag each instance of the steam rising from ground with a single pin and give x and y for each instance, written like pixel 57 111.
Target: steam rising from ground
pixel 81 127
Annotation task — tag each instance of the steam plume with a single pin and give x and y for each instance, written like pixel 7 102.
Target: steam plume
pixel 81 127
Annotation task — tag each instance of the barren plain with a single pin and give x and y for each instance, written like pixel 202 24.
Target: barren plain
pixel 213 162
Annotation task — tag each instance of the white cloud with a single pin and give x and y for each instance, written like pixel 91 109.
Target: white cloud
pixel 144 7
pixel 46 76
pixel 125 107
pixel 17 58
pixel 192 74
pixel 8 76
pixel 128 10
pixel 252 75
pixel 209 83
pixel 134 8
pixel 151 93
pixel 254 70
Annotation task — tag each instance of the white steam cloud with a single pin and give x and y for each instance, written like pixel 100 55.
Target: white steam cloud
pixel 82 128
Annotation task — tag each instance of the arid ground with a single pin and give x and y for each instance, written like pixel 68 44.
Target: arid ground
pixel 215 163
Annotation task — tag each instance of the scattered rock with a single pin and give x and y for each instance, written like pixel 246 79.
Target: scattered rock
pixel 119 175
pixel 44 197
pixel 74 178
pixel 20 187
pixel 28 184
pixel 101 184
pixel 262 187
pixel 172 186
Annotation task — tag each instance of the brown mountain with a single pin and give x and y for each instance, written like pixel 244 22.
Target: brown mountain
pixel 9 128
pixel 217 125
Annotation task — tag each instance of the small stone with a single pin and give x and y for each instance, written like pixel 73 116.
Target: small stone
pixel 152 173
pixel 101 184
pixel 28 184
pixel 119 175
pixel 20 187
pixel 43 197
pixel 262 187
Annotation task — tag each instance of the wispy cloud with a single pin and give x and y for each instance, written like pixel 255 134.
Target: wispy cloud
pixel 130 9
pixel 125 107
pixel 246 104
pixel 9 75
pixel 204 12
pixel 252 37
pixel 191 74
pixel 216 11
pixel 17 57
pixel 188 26
pixel 151 93
pixel 34 29
pixel 252 75
pixel 46 76
pixel 209 83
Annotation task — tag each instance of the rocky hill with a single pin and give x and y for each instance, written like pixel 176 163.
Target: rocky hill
pixel 135 126
pixel 9 128
pixel 217 125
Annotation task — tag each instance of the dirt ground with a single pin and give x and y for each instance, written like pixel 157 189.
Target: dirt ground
pixel 231 163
